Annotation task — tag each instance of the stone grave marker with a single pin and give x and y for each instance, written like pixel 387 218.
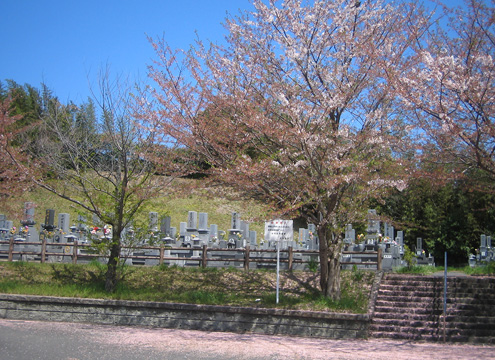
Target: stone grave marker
pixel 183 238
pixel 388 231
pixel 313 237
pixel 64 222
pixel 203 229
pixel 214 233
pixel 49 224
pixel 252 238
pixel 192 221
pixel 153 221
pixel 373 227
pixel 9 224
pixel 483 246
pixel 235 221
pixel 350 235
pixel 419 246
pixel 28 219
pixel 400 241
pixel 203 221
pixel 165 226
pixel 235 232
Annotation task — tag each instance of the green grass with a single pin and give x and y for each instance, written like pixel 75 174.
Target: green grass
pixel 418 270
pixel 487 269
pixel 211 286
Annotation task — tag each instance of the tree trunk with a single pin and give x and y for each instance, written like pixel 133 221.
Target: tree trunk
pixel 329 263
pixel 111 276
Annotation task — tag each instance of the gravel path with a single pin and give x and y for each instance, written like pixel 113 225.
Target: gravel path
pixel 74 341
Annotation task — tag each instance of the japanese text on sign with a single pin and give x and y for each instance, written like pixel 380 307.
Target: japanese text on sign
pixel 279 230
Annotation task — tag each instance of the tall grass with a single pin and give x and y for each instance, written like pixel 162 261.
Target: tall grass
pixel 485 269
pixel 418 269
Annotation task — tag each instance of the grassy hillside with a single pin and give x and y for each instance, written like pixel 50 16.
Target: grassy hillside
pixel 177 199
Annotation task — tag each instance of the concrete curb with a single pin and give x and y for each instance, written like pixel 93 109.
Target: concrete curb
pixel 185 316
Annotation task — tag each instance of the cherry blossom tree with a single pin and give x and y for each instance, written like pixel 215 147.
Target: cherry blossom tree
pixel 448 87
pixel 294 109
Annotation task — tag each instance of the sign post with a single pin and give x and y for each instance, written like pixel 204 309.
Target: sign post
pixel 278 231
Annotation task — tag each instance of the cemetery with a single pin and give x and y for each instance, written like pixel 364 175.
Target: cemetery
pixel 198 243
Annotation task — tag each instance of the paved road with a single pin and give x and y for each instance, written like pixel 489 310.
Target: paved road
pixel 23 340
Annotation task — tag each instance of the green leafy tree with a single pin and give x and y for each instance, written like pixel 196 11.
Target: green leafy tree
pixel 96 157
pixel 447 216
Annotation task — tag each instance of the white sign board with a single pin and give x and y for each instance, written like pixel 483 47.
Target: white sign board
pixel 279 230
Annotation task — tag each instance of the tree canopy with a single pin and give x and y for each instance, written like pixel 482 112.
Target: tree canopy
pixel 295 109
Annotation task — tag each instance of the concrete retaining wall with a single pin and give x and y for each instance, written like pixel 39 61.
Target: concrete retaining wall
pixel 185 316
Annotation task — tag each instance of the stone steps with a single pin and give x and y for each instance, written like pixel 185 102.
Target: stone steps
pixel 436 338
pixel 396 324
pixel 410 307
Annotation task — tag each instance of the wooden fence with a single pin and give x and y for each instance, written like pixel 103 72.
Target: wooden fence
pixel 72 250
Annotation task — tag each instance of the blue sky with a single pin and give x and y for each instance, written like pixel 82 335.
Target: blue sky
pixel 65 43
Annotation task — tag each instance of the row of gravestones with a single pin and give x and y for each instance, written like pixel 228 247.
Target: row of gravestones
pixel 195 233
pixel 389 241
pixel 485 253
pixel 391 244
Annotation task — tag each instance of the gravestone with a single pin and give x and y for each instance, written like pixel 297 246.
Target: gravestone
pixel 304 238
pixel 9 224
pixel 64 222
pixel 183 234
pixel 165 226
pixel 28 219
pixel 213 233
pixel 222 244
pixel 192 221
pixel 49 224
pixel 81 224
pixel 350 235
pixel 252 238
pixel 4 231
pixel 203 229
pixel 3 218
pixel 313 237
pixel 245 229
pixel 153 221
pixel 483 247
pixel 235 221
pixel 373 227
pixel 30 232
pixel 400 241
pixel 192 234
pixel 203 222
pixel 388 232
pixel 419 247
pixel 235 232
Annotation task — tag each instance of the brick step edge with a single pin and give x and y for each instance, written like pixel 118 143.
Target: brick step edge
pixel 489 320
pixel 433 338
pixel 433 323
